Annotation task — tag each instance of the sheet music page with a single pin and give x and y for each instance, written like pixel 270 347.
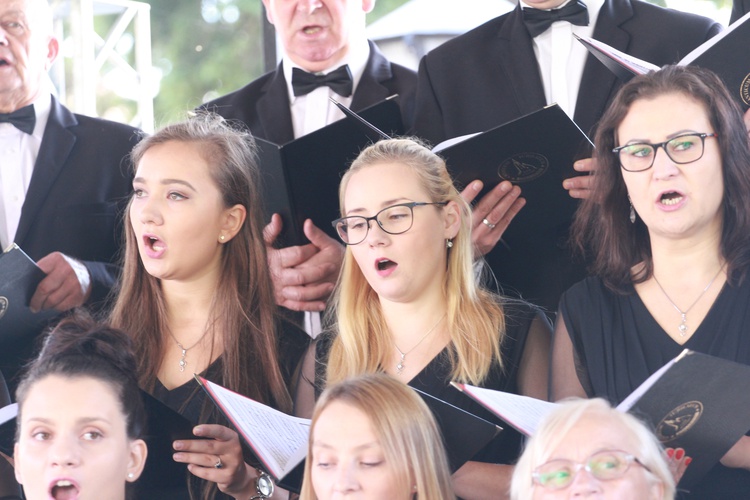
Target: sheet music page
pixel 522 412
pixel 276 436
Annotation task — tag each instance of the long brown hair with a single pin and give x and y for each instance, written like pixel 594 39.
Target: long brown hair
pixel 601 225
pixel 243 307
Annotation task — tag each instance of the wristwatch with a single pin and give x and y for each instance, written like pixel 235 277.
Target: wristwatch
pixel 263 486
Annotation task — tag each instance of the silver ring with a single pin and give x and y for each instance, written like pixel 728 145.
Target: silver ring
pixel 218 464
pixel 488 224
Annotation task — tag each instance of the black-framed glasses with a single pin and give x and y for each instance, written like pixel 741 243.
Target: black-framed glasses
pixel 395 219
pixel 685 148
pixel 604 465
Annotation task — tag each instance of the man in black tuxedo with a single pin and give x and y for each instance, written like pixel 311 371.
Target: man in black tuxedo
pixel 63 177
pixel 500 71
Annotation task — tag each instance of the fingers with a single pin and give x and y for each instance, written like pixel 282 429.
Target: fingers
pixel 289 257
pixel 218 458
pixel 493 214
pixel 319 238
pixel 63 287
pixel 579 187
pixel 272 230
pixel 678 461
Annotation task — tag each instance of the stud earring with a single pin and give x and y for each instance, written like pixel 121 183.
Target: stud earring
pixel 222 237
pixel 449 243
pixel 131 475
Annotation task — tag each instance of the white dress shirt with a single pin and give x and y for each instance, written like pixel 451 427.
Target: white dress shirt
pixel 561 57
pixel 18 153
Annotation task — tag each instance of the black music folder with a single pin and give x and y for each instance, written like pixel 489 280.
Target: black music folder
pixel 19 277
pixel 301 178
pixel 697 402
pixel 536 152
pixel 725 54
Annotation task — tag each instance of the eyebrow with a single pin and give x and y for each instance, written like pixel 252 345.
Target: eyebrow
pixel 82 420
pixel 385 204
pixel 669 137
pixel 165 182
pixel 373 444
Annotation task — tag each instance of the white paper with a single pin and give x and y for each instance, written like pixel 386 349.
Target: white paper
pixel 279 439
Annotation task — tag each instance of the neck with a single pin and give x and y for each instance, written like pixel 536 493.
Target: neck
pixel 409 322
pixel 12 101
pixel 702 256
pixel 188 306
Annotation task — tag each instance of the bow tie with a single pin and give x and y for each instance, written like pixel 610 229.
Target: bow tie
pixel 538 21
pixel 339 80
pixel 23 119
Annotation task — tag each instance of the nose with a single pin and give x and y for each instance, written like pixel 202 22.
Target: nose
pixel 146 210
pixel 64 452
pixel 585 484
pixel 346 479
pixel 309 6
pixel 663 166
pixel 376 236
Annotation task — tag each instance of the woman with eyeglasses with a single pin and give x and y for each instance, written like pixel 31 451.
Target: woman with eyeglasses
pixel 408 304
pixel 668 223
pixel 587 449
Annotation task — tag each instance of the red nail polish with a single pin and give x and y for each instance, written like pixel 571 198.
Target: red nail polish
pixel 680 453
pixel 670 452
pixel 687 461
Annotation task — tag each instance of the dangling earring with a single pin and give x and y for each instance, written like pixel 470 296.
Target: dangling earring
pixel 449 243
pixel 632 214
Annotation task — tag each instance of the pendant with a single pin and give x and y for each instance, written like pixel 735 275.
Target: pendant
pixel 683 326
pixel 400 365
pixel 183 361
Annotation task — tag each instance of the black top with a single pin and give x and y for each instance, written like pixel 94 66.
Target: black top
pixel 521 321
pixel 191 401
pixel 618 344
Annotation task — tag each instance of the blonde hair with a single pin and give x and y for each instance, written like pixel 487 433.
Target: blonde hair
pixel 474 316
pixel 405 428
pixel 556 426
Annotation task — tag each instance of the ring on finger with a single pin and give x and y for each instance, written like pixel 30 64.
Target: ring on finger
pixel 218 464
pixel 488 224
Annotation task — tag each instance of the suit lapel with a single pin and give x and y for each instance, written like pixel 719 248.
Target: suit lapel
pixel 275 111
pixel 370 89
pixel 57 143
pixel 518 64
pixel 597 82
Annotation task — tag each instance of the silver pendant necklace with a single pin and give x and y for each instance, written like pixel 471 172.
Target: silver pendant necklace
pixel 400 365
pixel 683 314
pixel 183 359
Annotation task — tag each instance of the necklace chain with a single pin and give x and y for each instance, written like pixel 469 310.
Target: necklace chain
pixel 683 314
pixel 400 365
pixel 183 360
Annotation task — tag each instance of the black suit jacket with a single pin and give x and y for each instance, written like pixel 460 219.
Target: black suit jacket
pixel 739 9
pixel 490 76
pixel 74 203
pixel 263 104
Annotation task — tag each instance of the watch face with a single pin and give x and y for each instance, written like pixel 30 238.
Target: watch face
pixel 265 485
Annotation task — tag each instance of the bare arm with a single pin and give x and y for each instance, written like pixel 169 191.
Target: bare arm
pixel 482 481
pixel 564 381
